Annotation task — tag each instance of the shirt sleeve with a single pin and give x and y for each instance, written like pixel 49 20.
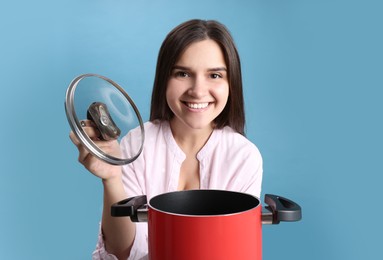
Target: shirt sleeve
pixel 254 165
pixel 140 245
pixel 139 248
pixel 100 253
pixel 251 170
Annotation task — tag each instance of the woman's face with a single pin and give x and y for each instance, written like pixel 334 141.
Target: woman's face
pixel 198 87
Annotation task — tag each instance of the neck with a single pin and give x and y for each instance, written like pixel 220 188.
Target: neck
pixel 190 140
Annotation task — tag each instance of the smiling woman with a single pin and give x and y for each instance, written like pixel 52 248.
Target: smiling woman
pixel 194 139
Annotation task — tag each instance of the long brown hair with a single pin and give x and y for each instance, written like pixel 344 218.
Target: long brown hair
pixel 174 45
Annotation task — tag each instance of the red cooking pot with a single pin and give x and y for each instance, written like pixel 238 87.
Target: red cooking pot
pixel 206 224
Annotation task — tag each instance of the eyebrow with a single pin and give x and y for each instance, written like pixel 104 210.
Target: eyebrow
pixel 188 69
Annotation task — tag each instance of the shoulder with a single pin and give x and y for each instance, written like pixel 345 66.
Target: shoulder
pixel 226 144
pixel 134 136
pixel 156 133
pixel 233 146
pixel 235 141
pixel 150 128
pixel 153 125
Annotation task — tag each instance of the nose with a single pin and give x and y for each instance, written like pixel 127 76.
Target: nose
pixel 198 88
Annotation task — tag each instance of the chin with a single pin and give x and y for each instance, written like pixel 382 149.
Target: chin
pixel 199 126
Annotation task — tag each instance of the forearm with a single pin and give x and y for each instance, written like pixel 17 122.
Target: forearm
pixel 119 232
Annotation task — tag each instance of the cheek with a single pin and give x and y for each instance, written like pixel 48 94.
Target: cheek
pixel 222 93
pixel 171 92
pixel 176 88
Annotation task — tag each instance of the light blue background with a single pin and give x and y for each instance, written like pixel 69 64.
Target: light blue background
pixel 313 84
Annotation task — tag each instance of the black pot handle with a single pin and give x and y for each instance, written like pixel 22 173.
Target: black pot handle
pixel 129 208
pixel 282 209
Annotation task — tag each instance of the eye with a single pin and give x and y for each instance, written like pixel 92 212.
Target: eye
pixel 215 76
pixel 181 74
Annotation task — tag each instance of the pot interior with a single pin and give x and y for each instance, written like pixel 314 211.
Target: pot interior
pixel 204 202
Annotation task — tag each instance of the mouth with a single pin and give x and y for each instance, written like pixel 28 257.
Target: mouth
pixel 197 105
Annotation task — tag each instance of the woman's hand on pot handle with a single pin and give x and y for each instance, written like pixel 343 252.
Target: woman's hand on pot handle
pixel 96 166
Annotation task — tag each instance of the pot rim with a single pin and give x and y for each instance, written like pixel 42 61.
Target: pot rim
pixel 151 207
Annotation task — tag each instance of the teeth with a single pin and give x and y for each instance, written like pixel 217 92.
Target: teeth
pixel 197 105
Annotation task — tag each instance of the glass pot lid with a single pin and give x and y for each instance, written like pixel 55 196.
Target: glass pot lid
pixel 94 100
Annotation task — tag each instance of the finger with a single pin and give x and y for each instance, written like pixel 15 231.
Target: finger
pixel 92 132
pixel 74 139
pixel 87 122
pixel 83 154
pixel 110 147
pixel 90 129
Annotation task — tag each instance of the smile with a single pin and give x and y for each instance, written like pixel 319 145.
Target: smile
pixel 197 105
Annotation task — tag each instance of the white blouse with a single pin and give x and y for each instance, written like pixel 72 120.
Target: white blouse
pixel 228 161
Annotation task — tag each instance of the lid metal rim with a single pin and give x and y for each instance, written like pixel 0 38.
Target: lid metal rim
pixel 82 136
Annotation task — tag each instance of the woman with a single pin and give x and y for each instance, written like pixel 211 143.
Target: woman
pixel 194 139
